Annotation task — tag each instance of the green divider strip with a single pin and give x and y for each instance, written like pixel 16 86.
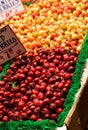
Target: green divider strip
pixel 75 82
pixel 28 125
pixel 5 67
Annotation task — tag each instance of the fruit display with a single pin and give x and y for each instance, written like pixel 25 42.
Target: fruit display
pixel 49 23
pixel 35 85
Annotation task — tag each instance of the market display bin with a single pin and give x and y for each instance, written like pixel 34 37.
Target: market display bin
pixel 74 115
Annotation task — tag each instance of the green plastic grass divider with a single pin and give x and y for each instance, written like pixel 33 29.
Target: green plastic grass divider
pixel 28 125
pixel 5 68
pixel 75 82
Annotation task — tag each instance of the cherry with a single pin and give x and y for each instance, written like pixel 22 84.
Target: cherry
pixel 67 76
pixel 18 95
pixel 24 115
pixel 29 79
pixel 10 113
pixel 35 92
pixel 66 65
pixel 45 111
pixel 49 94
pixel 38 68
pixel 21 104
pixel 62 51
pixel 56 61
pixel 23 85
pixel 29 112
pixel 58 102
pixel 32 107
pixel 25 98
pixel 16 114
pixel 1 112
pixel 24 109
pixel 28 93
pixel 40 95
pixel 36 80
pixel 39 119
pixel 33 117
pixel 60 85
pixel 2 83
pixel 29 103
pixel 46 116
pixel 21 76
pixel 36 101
pixel 53 116
pixel 5 118
pixel 37 87
pixel 37 110
pixel 40 103
pixel 15 78
pixel 66 57
pixel 1 92
pixel 37 73
pixel 46 101
pixel 59 110
pixel 53 106
pixel 53 98
pixel 30 73
pixel 58 95
pixel 7 87
pixel 23 90
pixel 33 96
pixel 71 69
pixel 64 90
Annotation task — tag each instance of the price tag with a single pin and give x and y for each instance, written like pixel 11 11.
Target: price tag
pixel 8 8
pixel 10 46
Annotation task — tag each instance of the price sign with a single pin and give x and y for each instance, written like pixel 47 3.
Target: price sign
pixel 10 46
pixel 8 8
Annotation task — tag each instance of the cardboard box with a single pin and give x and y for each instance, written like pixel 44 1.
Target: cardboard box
pixel 78 115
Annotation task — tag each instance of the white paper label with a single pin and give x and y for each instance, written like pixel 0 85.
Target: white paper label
pixel 8 8
pixel 10 46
